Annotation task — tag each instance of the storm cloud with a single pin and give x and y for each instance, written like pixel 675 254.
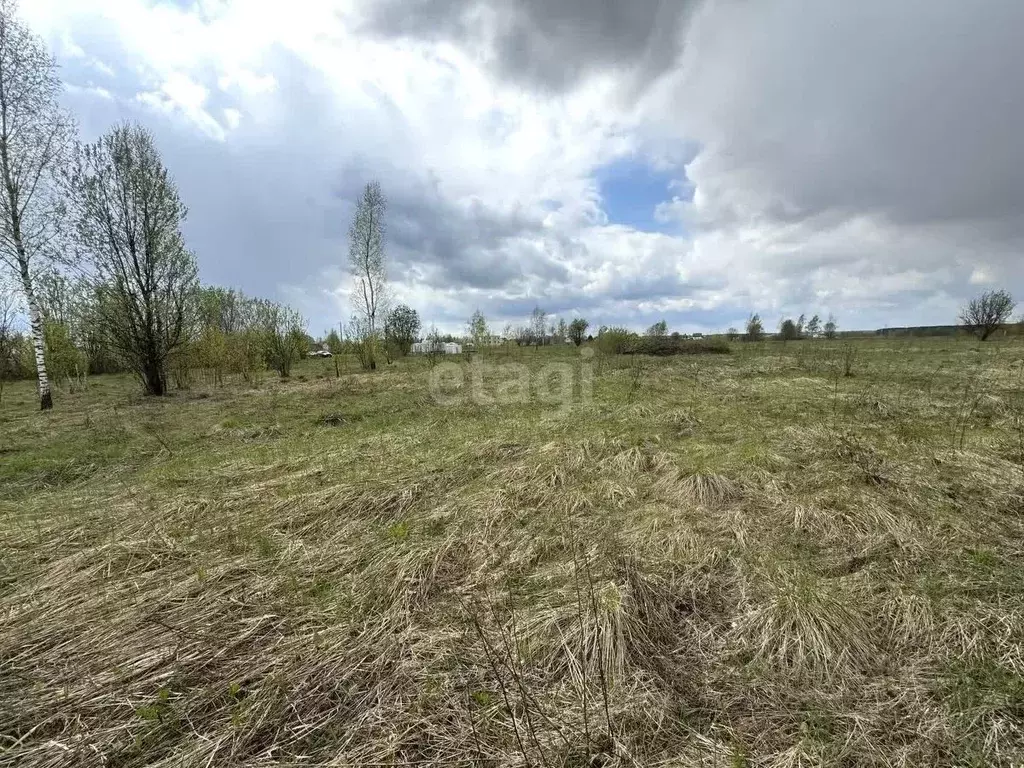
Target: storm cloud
pixel 550 44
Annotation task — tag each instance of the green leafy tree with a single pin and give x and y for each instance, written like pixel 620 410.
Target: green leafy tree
pixel 789 330
pixel 578 330
pixel 402 326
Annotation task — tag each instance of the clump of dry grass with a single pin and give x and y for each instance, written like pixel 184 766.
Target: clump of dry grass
pixel 802 624
pixel 706 489
pixel 763 577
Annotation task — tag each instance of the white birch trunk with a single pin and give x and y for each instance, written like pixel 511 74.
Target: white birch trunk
pixel 38 341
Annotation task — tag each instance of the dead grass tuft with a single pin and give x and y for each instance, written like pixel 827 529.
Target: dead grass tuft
pixel 755 562
pixel 704 489
pixel 798 623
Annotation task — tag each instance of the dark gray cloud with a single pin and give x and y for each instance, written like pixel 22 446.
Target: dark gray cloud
pixel 444 244
pixel 910 112
pixel 552 44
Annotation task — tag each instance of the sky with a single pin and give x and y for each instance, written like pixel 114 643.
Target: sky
pixel 692 160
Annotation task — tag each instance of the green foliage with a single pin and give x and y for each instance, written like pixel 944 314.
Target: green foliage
pixel 367 350
pixel 399 531
pixel 224 309
pixel 367 344
pixel 9 340
pixel 664 346
pixel 25 357
pixel 615 340
pixel 401 327
pixel 578 330
pixel 211 352
pixel 788 330
pixel 247 355
pixel 64 360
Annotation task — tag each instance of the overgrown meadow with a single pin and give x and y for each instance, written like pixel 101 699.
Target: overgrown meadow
pixel 805 553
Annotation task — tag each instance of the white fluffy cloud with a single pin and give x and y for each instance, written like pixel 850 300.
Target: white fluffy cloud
pixel 856 158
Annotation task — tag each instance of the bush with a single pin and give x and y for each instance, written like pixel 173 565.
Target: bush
pixel 64 360
pixel 664 346
pixel 615 341
pixel 987 313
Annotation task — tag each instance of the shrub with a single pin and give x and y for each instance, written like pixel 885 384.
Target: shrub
pixel 788 330
pixel 665 346
pixel 615 341
pixel 987 313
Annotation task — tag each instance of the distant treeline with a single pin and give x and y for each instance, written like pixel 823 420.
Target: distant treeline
pixel 916 331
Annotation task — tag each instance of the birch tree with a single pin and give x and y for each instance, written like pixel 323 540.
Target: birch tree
pixel 35 137
pixel 128 216
pixel 369 269
pixel 477 327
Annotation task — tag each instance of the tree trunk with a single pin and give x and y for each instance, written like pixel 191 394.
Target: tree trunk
pixel 38 340
pixel 35 316
pixel 154 378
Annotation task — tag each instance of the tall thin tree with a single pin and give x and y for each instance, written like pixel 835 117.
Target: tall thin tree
pixel 367 261
pixel 35 137
pixel 128 216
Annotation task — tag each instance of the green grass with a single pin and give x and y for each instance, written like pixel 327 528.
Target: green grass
pixel 744 559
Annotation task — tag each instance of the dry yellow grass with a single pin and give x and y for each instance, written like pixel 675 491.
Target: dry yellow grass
pixel 743 560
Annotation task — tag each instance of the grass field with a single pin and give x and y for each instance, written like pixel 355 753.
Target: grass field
pixel 730 560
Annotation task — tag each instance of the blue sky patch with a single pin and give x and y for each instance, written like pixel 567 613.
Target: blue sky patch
pixel 631 190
